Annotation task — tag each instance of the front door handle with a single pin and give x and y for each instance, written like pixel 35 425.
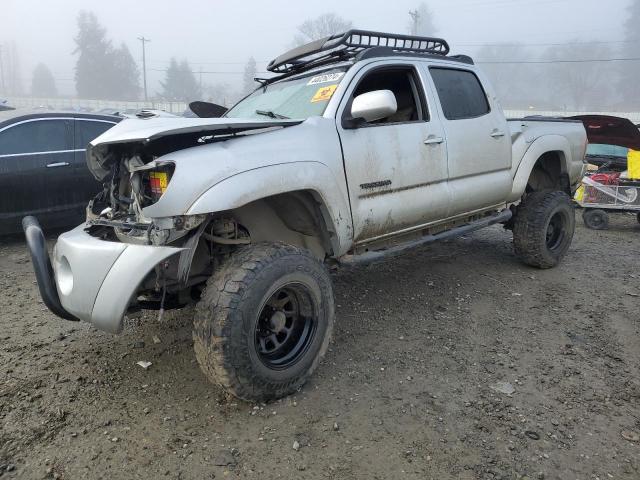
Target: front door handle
pixel 497 134
pixel 433 140
pixel 58 164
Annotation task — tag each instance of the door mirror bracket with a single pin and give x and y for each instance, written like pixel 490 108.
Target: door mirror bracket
pixel 351 123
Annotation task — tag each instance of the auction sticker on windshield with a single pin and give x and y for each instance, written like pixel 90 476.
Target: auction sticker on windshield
pixel 326 78
pixel 324 93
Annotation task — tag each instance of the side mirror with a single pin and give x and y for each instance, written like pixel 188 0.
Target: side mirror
pixel 374 105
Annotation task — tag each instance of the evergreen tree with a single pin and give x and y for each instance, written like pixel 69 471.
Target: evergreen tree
pixel 43 83
pixel 180 84
pixel 103 71
pixel 125 81
pixel 93 68
pixel 249 84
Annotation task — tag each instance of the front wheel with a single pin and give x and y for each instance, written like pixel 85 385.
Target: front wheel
pixel 264 321
pixel 543 228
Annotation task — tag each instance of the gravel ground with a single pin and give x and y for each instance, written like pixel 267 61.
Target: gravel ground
pixel 452 362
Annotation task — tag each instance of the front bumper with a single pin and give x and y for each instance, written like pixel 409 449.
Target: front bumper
pixel 95 279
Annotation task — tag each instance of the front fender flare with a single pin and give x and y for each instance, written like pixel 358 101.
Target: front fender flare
pixel 251 185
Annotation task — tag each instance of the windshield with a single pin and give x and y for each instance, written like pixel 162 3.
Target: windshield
pixel 298 98
pixel 599 150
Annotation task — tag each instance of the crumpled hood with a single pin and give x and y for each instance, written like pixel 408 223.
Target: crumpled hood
pixel 161 135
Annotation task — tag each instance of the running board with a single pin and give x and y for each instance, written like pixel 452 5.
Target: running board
pixel 372 256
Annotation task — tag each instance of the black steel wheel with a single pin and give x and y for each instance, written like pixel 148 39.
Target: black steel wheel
pixel 595 219
pixel 286 326
pixel 556 230
pixel 543 228
pixel 264 321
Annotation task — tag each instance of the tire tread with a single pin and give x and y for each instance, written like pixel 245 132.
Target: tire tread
pixel 530 220
pixel 218 343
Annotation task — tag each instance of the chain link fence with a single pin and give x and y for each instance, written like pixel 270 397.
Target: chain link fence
pixel 93 105
pixel 179 107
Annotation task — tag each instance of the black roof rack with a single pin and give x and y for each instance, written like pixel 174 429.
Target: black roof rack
pixel 347 45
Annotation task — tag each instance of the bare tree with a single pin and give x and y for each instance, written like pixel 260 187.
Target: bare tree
pixel 250 71
pixel 320 27
pixel 12 73
pixel 510 78
pixel 421 22
pixel 573 80
pixel 220 93
pixel 629 83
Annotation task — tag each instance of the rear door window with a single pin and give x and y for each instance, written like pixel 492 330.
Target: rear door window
pixel 87 130
pixel 460 92
pixel 36 136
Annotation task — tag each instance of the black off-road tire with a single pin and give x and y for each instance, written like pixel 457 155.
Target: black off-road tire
pixel 229 320
pixel 595 219
pixel 543 228
pixel 638 217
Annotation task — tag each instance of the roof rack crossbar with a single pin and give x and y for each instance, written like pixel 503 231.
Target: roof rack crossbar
pixel 348 44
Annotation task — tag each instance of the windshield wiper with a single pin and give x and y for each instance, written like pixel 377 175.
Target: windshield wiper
pixel 270 114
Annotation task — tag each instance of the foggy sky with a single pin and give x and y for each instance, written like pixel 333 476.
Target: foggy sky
pixel 220 35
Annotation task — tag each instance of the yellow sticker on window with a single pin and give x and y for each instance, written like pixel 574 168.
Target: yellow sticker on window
pixel 324 93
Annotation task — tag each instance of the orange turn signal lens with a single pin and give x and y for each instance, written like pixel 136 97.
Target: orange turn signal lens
pixel 158 182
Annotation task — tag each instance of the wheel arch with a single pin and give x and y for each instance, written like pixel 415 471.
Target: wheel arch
pixel 300 197
pixel 549 173
pixel 298 217
pixel 545 166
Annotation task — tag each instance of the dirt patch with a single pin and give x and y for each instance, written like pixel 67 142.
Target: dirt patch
pixel 452 362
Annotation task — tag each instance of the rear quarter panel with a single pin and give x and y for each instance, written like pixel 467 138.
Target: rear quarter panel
pixel 533 138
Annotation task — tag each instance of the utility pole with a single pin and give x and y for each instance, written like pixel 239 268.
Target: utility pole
pixel 2 72
pixel 415 17
pixel 144 66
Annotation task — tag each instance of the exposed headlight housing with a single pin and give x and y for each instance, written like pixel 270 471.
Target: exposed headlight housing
pixel 155 182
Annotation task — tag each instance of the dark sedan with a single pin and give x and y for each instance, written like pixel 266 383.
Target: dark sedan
pixel 43 169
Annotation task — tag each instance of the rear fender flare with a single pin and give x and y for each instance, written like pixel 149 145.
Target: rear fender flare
pixel 542 145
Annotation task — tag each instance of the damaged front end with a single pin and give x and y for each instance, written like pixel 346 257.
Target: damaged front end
pixel 116 213
pixel 123 259
pixel 197 241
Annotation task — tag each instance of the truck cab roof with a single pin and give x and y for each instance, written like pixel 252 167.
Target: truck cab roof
pixel 357 45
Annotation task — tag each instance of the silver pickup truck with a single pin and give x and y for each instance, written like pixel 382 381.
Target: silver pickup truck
pixel 361 145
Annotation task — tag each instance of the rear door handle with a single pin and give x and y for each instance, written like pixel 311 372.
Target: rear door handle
pixel 58 164
pixel 497 134
pixel 433 140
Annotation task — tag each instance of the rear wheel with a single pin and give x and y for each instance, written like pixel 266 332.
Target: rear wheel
pixel 264 321
pixel 596 219
pixel 543 228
